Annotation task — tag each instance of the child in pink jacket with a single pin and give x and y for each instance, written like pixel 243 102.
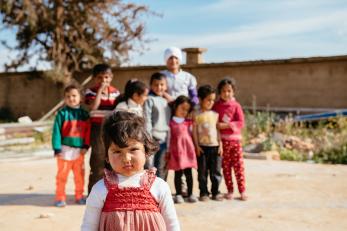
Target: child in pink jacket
pixel 231 121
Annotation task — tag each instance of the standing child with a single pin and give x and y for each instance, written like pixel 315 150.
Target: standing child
pixel 157 115
pixel 70 141
pixel 101 100
pixel 179 82
pixel 129 197
pixel 135 95
pixel 231 121
pixel 208 144
pixel 182 156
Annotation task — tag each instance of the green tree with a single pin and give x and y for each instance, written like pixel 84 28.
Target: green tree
pixel 74 34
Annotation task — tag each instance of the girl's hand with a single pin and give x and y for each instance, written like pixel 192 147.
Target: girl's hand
pixel 220 150
pixel 84 151
pixel 199 150
pixel 168 97
pixel 167 156
pixel 58 155
pixel 223 125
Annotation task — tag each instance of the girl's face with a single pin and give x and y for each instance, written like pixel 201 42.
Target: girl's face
pixel 140 99
pixel 72 98
pixel 208 101
pixel 173 64
pixel 227 92
pixel 129 160
pixel 182 110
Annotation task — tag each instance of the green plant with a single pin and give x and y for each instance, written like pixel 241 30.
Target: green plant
pixel 336 155
pixel 292 155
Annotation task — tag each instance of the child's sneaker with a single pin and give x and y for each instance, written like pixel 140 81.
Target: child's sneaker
pixel 192 199
pixel 81 201
pixel 60 204
pixel 217 197
pixel 204 198
pixel 178 199
pixel 243 197
pixel 228 196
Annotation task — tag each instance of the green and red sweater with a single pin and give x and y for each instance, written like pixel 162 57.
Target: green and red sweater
pixel 71 128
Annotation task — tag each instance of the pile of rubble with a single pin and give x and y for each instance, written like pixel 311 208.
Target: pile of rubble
pixel 264 147
pixel 22 137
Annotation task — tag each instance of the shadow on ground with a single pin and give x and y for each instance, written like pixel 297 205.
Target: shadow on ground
pixel 42 200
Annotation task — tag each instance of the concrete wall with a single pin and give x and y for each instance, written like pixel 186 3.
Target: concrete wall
pixel 319 82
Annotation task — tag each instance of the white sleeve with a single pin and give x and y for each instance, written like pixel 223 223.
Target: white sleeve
pixel 166 205
pixel 122 106
pixel 147 112
pixel 192 82
pixel 95 203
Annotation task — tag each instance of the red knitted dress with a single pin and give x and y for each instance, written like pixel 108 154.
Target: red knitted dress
pixel 130 208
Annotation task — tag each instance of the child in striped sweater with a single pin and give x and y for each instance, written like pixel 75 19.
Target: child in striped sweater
pixel 70 141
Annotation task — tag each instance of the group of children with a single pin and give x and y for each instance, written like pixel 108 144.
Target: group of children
pixel 168 125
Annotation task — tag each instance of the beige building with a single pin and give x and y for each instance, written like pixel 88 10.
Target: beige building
pixel 298 84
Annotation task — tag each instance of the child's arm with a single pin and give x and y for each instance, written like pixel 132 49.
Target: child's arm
pixel 56 134
pixel 94 104
pixel 238 121
pixel 95 203
pixel 220 147
pixel 166 206
pixel 193 94
pixel 168 97
pixel 86 139
pixel 147 112
pixel 198 149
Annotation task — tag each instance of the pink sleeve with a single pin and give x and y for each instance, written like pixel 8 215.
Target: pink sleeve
pixel 238 122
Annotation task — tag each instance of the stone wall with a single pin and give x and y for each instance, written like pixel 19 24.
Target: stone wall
pixel 314 83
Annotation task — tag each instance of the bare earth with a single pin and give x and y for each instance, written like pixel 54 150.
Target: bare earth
pixel 282 196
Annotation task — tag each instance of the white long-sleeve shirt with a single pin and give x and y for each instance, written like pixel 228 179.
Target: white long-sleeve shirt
pixel 160 191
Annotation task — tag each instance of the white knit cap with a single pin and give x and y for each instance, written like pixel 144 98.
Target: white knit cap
pixel 173 51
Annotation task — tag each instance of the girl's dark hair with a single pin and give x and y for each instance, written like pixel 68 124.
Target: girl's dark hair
pixel 121 126
pixel 226 81
pixel 100 68
pixel 179 100
pixel 157 76
pixel 131 87
pixel 205 91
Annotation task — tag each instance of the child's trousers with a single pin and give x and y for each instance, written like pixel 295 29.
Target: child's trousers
pixel 97 156
pixel 209 163
pixel 178 181
pixel 233 159
pixel 64 167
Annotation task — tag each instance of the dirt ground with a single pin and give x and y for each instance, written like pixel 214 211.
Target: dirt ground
pixel 282 196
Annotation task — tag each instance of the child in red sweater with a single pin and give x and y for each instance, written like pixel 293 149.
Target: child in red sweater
pixel 101 99
pixel 231 121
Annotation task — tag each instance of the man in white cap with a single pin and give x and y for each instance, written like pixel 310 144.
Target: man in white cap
pixel 179 82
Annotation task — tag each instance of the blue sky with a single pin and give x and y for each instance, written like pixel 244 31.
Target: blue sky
pixel 236 30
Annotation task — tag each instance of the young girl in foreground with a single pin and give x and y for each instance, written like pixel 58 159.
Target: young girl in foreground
pixel 231 121
pixel 129 197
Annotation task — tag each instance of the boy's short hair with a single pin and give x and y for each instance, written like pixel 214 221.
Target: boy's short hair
pixel 70 87
pixel 100 68
pixel 121 126
pixel 157 76
pixel 205 91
